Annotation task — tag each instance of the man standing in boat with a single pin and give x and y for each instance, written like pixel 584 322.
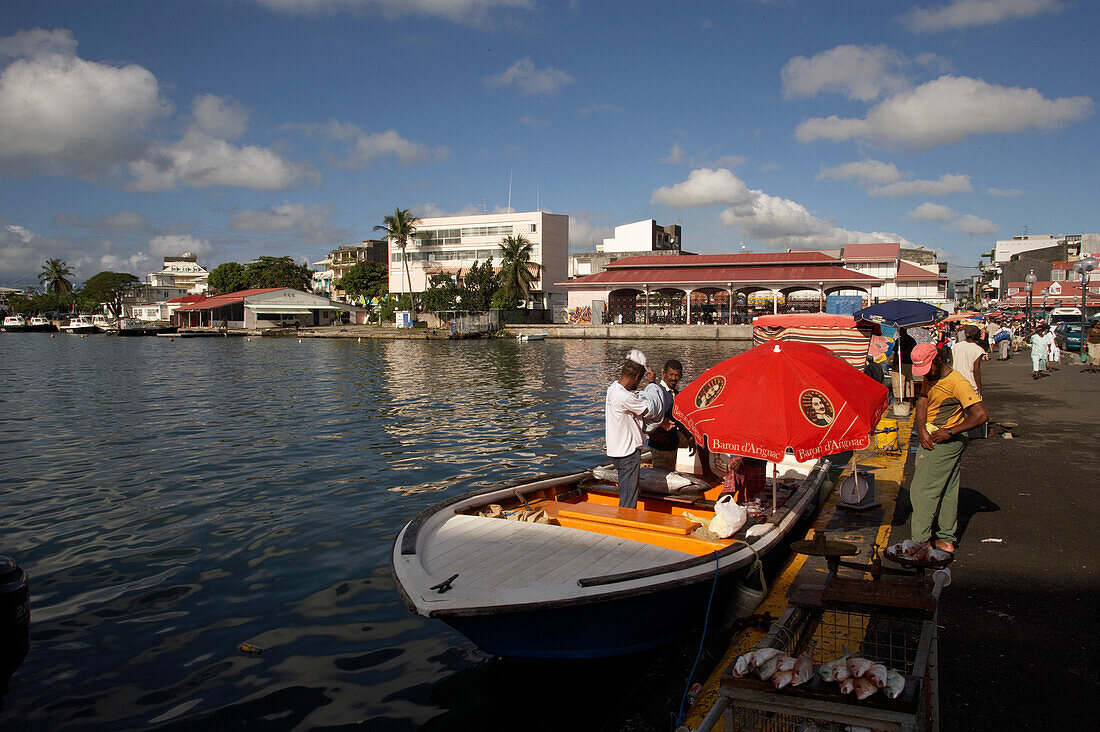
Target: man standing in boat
pixel 625 415
pixel 666 438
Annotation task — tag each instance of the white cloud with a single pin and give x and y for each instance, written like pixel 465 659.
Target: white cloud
pixel 584 235
pixel 858 72
pixel 864 171
pixel 531 121
pixel 950 109
pixel 201 161
pixel 359 148
pixel 675 155
pixel 929 211
pixel 429 210
pixel 36 42
pixel 971 13
pixel 775 221
pixel 530 80
pixel 1006 192
pixel 118 221
pixel 219 116
pixel 134 263
pixel 312 223
pixel 459 11
pixel 168 245
pixel 974 226
pixel 703 187
pixel 19 234
pixel 947 184
pixel 60 113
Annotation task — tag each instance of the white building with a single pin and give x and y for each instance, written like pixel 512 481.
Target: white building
pixel 641 238
pixel 184 272
pixel 901 279
pixel 451 244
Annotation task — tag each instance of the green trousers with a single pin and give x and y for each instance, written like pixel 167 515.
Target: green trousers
pixel 934 491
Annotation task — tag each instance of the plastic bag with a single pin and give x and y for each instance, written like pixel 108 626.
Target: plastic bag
pixel 729 517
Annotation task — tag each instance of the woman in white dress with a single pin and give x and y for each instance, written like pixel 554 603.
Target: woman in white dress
pixel 1040 351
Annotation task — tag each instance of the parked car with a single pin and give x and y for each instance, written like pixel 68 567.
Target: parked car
pixel 1068 336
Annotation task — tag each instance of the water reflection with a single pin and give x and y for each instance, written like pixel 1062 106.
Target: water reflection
pixel 171 500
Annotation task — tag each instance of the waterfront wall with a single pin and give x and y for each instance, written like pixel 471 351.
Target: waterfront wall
pixel 630 332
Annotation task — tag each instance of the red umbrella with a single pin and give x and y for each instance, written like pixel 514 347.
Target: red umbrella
pixel 779 395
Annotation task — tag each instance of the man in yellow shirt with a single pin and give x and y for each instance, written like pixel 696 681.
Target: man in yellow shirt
pixel 947 408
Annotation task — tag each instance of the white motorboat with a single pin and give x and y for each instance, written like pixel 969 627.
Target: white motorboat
pixel 591 580
pixel 38 324
pixel 79 325
pixel 532 336
pixel 103 323
pixel 15 324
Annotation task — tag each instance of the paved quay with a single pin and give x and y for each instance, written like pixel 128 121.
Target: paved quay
pixel 1017 644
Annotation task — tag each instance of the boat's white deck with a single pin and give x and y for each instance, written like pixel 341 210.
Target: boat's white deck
pixel 499 554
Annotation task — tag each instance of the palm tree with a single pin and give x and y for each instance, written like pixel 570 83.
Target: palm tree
pixel 54 276
pixel 517 271
pixel 400 228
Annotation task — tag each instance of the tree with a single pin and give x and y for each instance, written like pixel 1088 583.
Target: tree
pixel 227 277
pixel 442 294
pixel 400 228
pixel 278 272
pixel 503 300
pixel 366 279
pixel 517 271
pixel 54 276
pixel 478 286
pixel 106 288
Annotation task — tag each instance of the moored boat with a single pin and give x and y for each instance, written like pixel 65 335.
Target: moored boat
pixel 15 324
pixel 532 336
pixel 596 580
pixel 135 327
pixel 104 324
pixel 38 324
pixel 79 325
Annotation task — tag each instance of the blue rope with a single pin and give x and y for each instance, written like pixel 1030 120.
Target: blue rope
pixel 679 718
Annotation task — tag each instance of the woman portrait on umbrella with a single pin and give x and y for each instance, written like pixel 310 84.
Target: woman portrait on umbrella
pixel 947 408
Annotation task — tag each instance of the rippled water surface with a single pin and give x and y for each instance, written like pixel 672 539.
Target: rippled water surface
pixel 173 499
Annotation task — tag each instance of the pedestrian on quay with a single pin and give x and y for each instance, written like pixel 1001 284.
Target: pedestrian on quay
pixel 946 409
pixel 1093 345
pixel 966 357
pixel 625 415
pixel 1003 338
pixel 1040 351
pixel 1055 353
pixel 667 437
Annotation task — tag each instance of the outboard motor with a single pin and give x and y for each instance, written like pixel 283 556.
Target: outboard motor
pixel 15 621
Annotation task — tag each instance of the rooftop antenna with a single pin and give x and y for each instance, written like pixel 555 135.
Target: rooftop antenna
pixel 510 189
pixel 538 194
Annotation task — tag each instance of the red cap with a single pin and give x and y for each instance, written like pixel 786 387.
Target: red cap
pixel 922 357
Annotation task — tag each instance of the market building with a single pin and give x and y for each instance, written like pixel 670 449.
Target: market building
pixel 693 288
pixel 451 244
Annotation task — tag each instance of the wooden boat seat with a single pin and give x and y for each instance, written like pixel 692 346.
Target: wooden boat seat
pixel 630 517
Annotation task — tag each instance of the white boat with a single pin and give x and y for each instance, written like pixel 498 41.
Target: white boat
pixel 79 325
pixel 15 324
pixel 38 324
pixel 596 581
pixel 532 336
pixel 103 323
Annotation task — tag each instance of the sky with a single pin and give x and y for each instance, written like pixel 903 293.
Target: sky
pixel 132 130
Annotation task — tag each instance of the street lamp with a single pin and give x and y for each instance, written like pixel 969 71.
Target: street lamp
pixel 821 297
pixel 1030 280
pixel 1045 290
pixel 1084 267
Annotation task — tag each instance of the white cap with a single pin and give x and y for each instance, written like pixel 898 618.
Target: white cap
pixel 638 357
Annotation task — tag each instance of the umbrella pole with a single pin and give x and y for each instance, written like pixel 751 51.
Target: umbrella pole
pixel 775 480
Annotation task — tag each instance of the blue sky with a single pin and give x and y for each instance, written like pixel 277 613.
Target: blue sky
pixel 238 128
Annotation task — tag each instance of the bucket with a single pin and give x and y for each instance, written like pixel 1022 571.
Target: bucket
pixel 901 409
pixel 886 434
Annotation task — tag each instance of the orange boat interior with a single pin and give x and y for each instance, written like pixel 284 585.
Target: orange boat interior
pixel 669 521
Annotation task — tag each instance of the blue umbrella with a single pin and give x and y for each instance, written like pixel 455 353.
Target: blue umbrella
pixel 901 313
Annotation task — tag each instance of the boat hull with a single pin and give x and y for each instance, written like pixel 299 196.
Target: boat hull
pixel 79 329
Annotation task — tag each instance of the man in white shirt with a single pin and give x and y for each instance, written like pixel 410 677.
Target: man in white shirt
pixel 625 416
pixel 966 357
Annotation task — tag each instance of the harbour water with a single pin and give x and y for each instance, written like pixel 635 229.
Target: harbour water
pixel 171 500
